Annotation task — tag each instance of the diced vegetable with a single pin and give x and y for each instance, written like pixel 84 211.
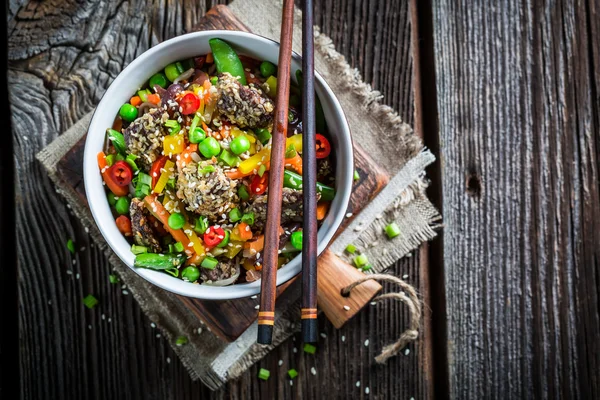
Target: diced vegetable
pixel 135 101
pixel 190 273
pixel 263 135
pixel 228 158
pixel 296 240
pixel 90 301
pixel 309 348
pixel 173 144
pixel 225 241
pixel 227 60
pixel 164 177
pixel 117 139
pixel 248 218
pixel 292 373
pixel 173 125
pixel 235 215
pixel 351 248
pixel 186 156
pixel 392 230
pixel 271 82
pixel 124 225
pixel 264 374
pixel 361 260
pixel 71 246
pixel 233 249
pixel 178 247
pixel 122 205
pixel 158 261
pixel 356 175
pixel 243 192
pixel 209 263
pixel 322 208
pixel 114 279
pixel 162 215
pixel 144 94
pixel 244 232
pixel 201 225
pixel 197 244
pixel 323 146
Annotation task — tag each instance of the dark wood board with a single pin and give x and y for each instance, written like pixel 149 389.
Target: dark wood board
pixel 519 122
pixel 63 54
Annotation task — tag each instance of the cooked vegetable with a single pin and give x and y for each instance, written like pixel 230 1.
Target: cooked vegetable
pixel 361 260
pixel 164 177
pixel 209 147
pixel 114 279
pixel 225 241
pixel 271 83
pixel 323 146
pixel 392 230
pixel 128 112
pixel 239 145
pixel 201 225
pixel 235 215
pixel 309 348
pixel 90 301
pixel 263 135
pixel 117 140
pixel 356 175
pixel 259 184
pixel 122 205
pixel 190 273
pixel 71 246
pixel 267 69
pixel 124 224
pixel 158 261
pixel 228 158
pixel 209 263
pixel 264 374
pixel 227 60
pixel 189 103
pixel 322 208
pixel 213 236
pixel 173 145
pixel 197 135
pixel 172 71
pixel 158 79
pixel 135 249
pixel 121 173
pixel 296 240
pixel 173 126
pixel 292 373
pixel 176 221
pixel 351 248
pixel 243 192
pixel 294 181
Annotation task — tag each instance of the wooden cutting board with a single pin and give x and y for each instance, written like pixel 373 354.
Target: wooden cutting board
pixel 229 319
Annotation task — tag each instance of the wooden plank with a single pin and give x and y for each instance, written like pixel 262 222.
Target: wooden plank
pixel 520 129
pixel 124 358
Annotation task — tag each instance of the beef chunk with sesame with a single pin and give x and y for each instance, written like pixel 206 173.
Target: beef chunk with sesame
pixel 243 106
pixel 143 234
pixel 143 136
pixel 291 207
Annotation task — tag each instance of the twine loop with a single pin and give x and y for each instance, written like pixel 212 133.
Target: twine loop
pixel 412 302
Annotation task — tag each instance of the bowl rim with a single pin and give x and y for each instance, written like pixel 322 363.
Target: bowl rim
pixel 209 292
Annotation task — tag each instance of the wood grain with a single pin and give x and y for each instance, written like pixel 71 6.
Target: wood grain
pixel 520 131
pixel 55 79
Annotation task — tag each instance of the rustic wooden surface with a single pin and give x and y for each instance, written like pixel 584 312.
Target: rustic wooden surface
pixel 519 123
pixel 63 54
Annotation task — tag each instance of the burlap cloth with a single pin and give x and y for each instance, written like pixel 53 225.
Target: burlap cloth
pixel 375 126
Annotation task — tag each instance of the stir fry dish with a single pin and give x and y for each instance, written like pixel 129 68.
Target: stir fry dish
pixel 186 167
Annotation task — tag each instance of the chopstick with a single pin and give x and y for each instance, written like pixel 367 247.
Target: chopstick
pixel 266 314
pixel 309 182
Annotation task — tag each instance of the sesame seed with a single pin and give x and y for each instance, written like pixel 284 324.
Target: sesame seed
pixel 343 338
pixel 323 335
pixel 254 297
pixel 199 331
pixel 313 371
pixel 125 292
pixel 69 272
pixel 168 360
pixel 367 343
pixel 103 316
pixel 77 276
pixel 406 352
pixel 357 383
pixel 404 276
pixel 291 383
pixel 349 215
pixel 89 327
pixel 367 390
pixel 158 335
pixel 256 307
pixel 295 350
pixel 152 324
pixel 347 308
pixel 109 319
pixel 74 262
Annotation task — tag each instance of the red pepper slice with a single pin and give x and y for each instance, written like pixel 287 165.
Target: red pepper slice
pixel 323 146
pixel 155 169
pixel 213 236
pixel 121 173
pixel 189 103
pixel 259 184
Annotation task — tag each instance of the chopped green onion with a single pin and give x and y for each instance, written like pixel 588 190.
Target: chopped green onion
pixel 110 160
pixel 292 373
pixel 181 340
pixel 235 215
pixel 290 116
pixel 261 170
pixel 206 170
pixel 172 271
pixel 361 260
pixel 351 249
pixel 173 126
pixel 392 230
pixel 90 301
pixel 263 135
pixel 209 263
pixel 243 192
pixel 171 248
pixel 201 225
pixel 291 152
pixel 309 348
pixel 296 239
pixel 356 175
pixel 130 159
pixel 366 267
pixel 171 183
pixel 214 80
pixel 179 247
pixel 71 246
pixel 229 158
pixel 248 218
pixel 195 122
pixel 264 374
pixel 135 249
pixel 144 95
pixel 144 179
pixel 113 279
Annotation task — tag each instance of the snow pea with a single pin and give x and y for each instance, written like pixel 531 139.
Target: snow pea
pixel 227 60
pixel 294 181
pixel 159 261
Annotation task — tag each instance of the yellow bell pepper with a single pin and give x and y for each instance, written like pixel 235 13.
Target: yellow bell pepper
pixel 264 156
pixel 272 84
pixel 173 144
pixel 234 249
pixel 248 264
pixel 195 240
pixel 164 177
pixel 252 149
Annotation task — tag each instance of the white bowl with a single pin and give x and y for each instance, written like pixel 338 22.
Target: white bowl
pixel 135 76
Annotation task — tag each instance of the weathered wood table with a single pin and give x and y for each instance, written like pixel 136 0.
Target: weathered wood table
pixel 507 96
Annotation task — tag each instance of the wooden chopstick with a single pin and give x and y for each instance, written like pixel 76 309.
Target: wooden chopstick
pixel 309 182
pixel 266 314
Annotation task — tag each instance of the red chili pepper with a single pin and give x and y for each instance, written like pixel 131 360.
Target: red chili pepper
pixel 189 103
pixel 121 173
pixel 259 183
pixel 155 170
pixel 323 146
pixel 213 236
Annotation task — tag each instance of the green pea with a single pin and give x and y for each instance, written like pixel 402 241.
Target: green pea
pixel 176 221
pixel 128 112
pixel 197 135
pixel 239 145
pixel 190 273
pixel 267 69
pixel 225 240
pixel 158 79
pixel 112 200
pixel 122 205
pixel 209 147
pixel 297 240
pixel 172 72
